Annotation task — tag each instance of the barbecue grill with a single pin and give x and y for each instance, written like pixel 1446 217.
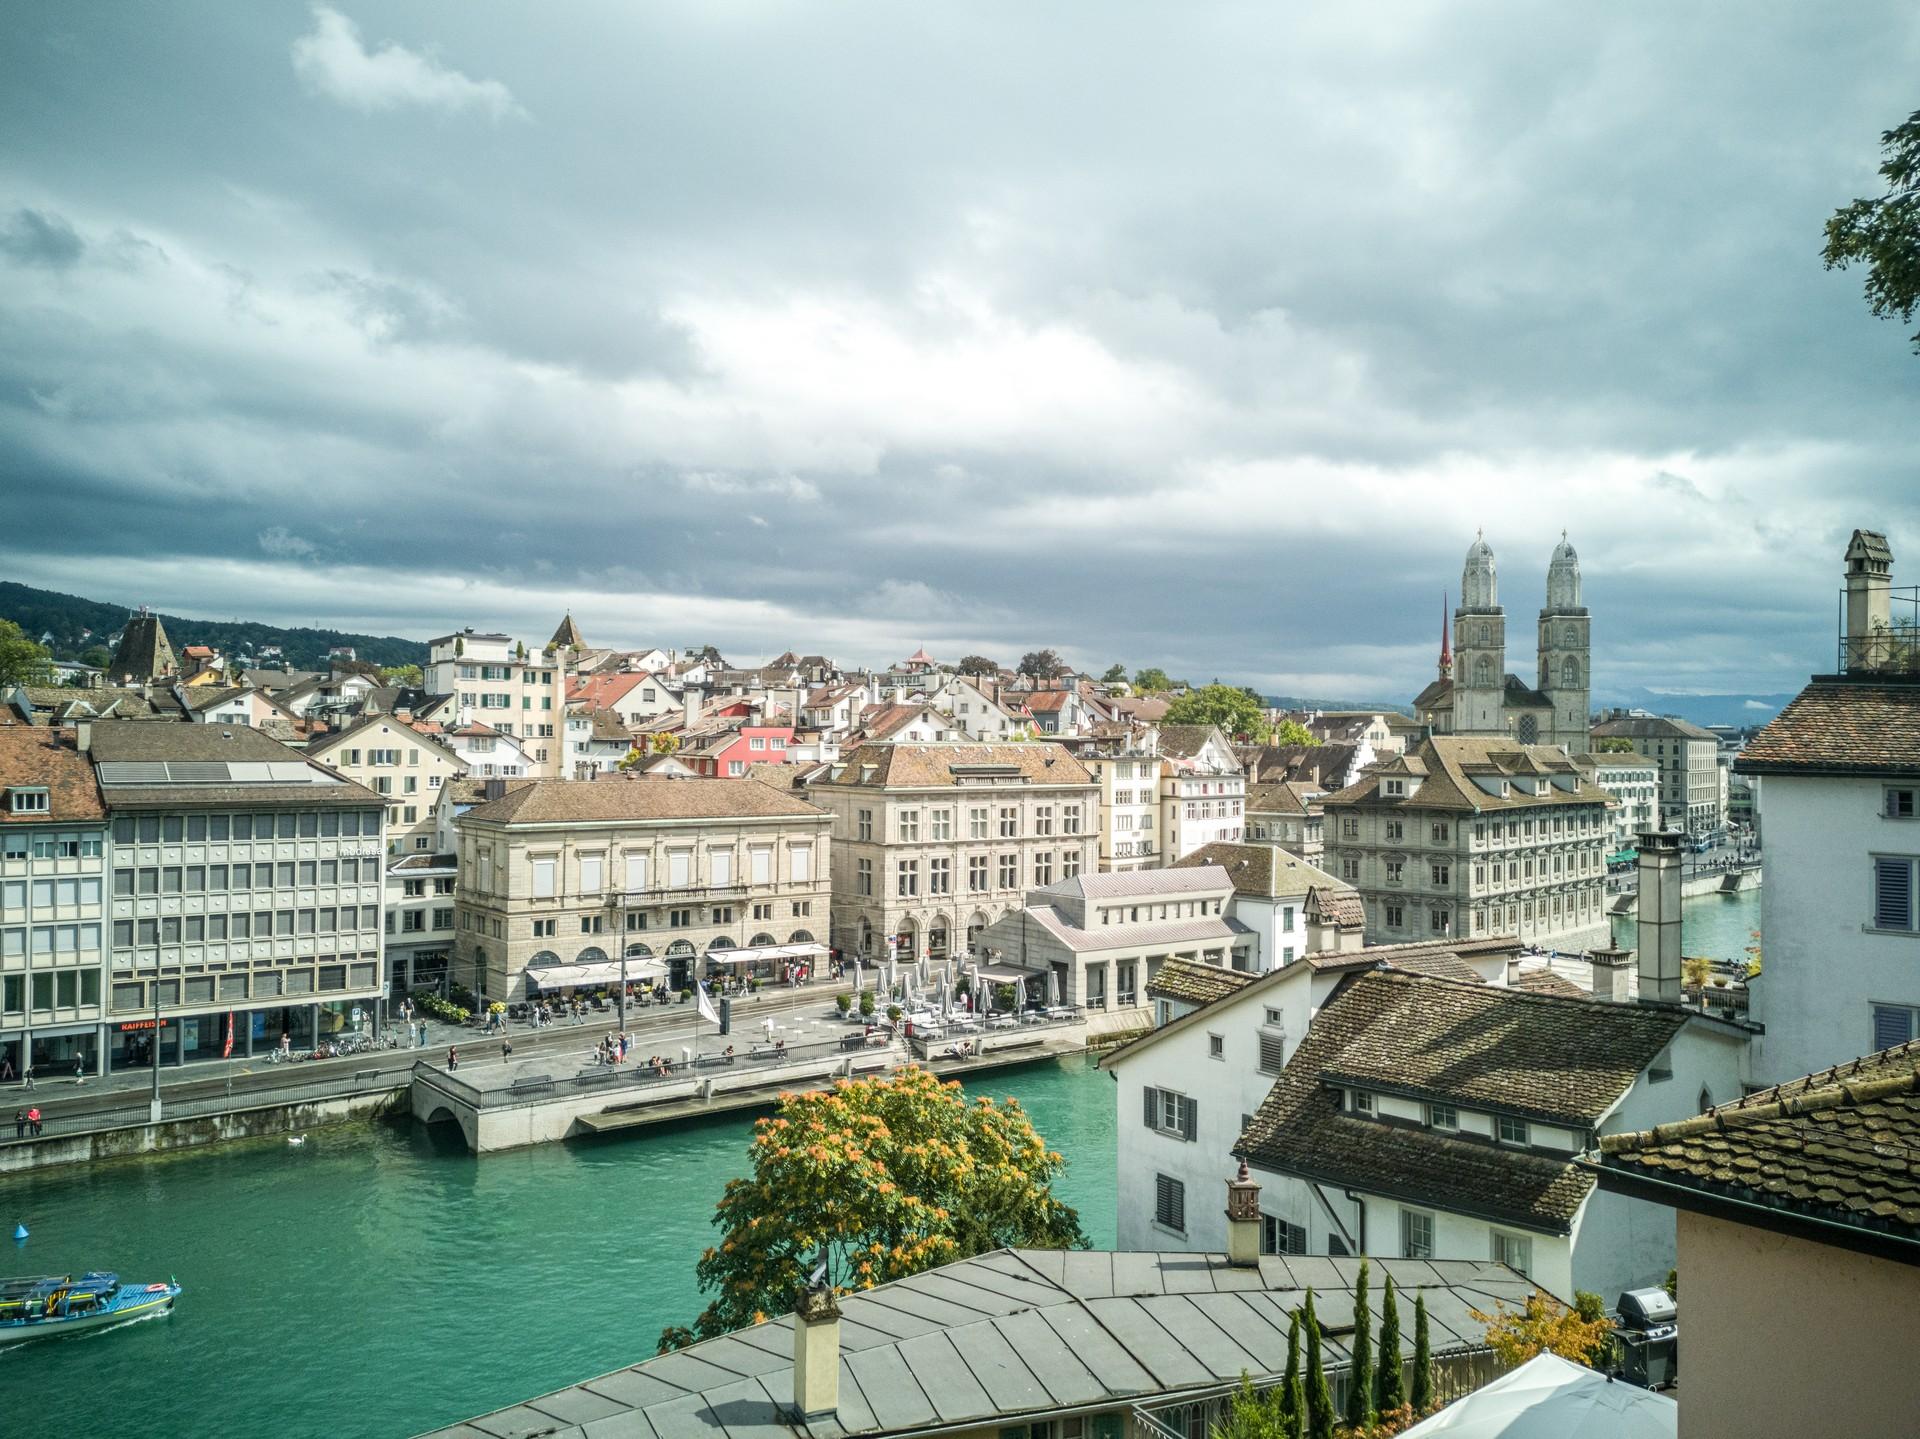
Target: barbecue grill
pixel 1649 1333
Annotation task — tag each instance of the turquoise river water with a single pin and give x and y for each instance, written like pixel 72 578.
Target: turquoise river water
pixel 377 1280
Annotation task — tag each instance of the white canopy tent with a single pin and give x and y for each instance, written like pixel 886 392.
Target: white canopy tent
pixel 1553 1398
pixel 765 952
pixel 563 976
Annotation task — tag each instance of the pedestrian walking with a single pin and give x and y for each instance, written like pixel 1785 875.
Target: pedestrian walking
pixel 33 1120
pixel 423 1034
pixel 6 1070
pixel 506 1049
pixel 453 1059
pixel 26 1079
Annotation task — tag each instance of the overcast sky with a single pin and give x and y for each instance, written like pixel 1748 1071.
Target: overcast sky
pixel 1200 335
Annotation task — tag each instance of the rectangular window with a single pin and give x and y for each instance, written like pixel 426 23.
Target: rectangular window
pixel 909 823
pixel 941 824
pixel 1172 1113
pixel 1009 823
pixel 1279 1237
pixel 1443 1116
pixel 1043 867
pixel 907 877
pixel 800 864
pixel 1170 1203
pixel 1513 1250
pixel 863 876
pixel 976 824
pixel 1899 804
pixel 1009 871
pixel 1893 893
pixel 762 862
pixel 1512 1131
pixel 977 874
pixel 863 824
pixel 1416 1234
pixel 1216 1046
pixel 679 868
pixel 940 876
pixel 593 869
pixel 1894 1024
pixel 543 879
pixel 720 864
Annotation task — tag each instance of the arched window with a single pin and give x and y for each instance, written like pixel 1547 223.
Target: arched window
pixel 1529 730
pixel 1570 637
pixel 1570 671
pixel 761 941
pixel 592 954
pixel 1486 633
pixel 1483 672
pixel 680 947
pixel 543 959
pixel 720 942
pixel 800 936
pixel 637 950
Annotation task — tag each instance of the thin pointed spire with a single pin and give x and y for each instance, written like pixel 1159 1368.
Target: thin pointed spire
pixel 1446 641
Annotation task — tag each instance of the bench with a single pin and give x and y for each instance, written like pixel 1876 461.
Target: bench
pixel 599 1074
pixel 530 1082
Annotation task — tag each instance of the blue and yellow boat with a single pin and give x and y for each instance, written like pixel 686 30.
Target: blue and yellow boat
pixel 31 1308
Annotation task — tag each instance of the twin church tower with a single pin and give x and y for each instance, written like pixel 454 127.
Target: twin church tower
pixel 1475 695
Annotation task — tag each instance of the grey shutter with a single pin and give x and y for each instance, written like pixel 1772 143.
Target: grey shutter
pixel 1892 894
pixel 1153 1107
pixel 1273 1052
pixel 1189 1119
pixel 1891 1026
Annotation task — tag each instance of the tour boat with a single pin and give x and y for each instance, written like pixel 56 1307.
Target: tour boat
pixel 59 1303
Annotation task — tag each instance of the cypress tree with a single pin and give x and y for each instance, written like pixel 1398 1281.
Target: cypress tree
pixel 1391 1388
pixel 1291 1400
pixel 1360 1374
pixel 1319 1396
pixel 1422 1358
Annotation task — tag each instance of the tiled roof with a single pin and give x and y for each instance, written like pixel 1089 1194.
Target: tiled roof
pixel 1263 869
pixel 567 636
pixel 1545 981
pixel 1449 761
pixel 1341 906
pixel 1650 727
pixel 1837 726
pixel 1467 1044
pixel 942 765
pixel 140 741
pixel 30 756
pixel 144 652
pixel 1184 741
pixel 879 721
pixel 1840 1147
pixel 1008 1334
pixel 585 801
pixel 1197 983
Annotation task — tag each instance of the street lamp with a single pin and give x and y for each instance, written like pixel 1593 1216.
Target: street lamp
pixel 153 1104
pixel 615 912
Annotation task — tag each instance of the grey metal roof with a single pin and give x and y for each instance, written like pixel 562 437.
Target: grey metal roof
pixel 1196 929
pixel 1142 882
pixel 1010 1333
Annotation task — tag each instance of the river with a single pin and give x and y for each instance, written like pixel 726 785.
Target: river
pixel 1718 926
pixel 377 1280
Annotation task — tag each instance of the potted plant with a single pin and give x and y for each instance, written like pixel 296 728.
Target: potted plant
pixel 686 996
pixel 844 1003
pixel 893 1013
pixel 866 1004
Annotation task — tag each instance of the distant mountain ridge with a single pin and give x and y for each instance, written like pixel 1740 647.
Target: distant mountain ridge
pixel 68 617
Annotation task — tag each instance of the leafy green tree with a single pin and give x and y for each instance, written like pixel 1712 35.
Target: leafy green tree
pixel 1115 675
pixel 1884 233
pixel 23 661
pixel 1391 1387
pixel 665 743
pixel 1151 681
pixel 1250 1414
pixel 1319 1396
pixel 1544 1324
pixel 883 1178
pixel 1236 713
pixel 1042 665
pixel 1293 1395
pixel 99 656
pixel 978 665
pixel 1613 744
pixel 633 759
pixel 1360 1374
pixel 400 674
pixel 1291 731
pixel 1422 1395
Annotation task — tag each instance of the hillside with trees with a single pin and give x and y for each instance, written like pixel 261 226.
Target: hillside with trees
pixel 69 617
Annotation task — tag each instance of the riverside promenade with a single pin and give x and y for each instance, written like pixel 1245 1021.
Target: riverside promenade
pixel 108 1116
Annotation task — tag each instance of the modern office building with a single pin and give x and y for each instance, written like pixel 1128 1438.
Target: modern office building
pixel 246 892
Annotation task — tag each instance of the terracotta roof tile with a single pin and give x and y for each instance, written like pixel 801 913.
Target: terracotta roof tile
pixel 1192 983
pixel 1840 726
pixel 31 756
pixel 555 801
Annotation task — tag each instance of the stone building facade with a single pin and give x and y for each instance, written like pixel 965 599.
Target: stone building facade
pixel 670 873
pixel 1472 836
pixel 933 842
pixel 1688 759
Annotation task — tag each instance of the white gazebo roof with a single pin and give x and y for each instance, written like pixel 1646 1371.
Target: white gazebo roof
pixel 1553 1398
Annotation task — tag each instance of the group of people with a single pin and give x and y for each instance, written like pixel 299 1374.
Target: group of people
pixel 27 1122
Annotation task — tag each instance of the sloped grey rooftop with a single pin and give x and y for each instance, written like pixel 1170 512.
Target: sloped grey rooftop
pixel 1010 1333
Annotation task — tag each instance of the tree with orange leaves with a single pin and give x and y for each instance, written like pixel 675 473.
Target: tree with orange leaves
pixel 883 1178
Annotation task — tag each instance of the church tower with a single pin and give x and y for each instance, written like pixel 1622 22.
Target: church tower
pixel 1565 650
pixel 1479 647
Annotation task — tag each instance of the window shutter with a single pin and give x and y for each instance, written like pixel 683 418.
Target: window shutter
pixel 1891 1026
pixel 1273 1052
pixel 1189 1119
pixel 1153 1106
pixel 1893 894
pixel 543 879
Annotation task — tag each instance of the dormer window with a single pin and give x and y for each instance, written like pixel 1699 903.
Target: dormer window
pixel 1443 1116
pixel 1362 1102
pixel 1513 1131
pixel 28 799
pixel 1396 789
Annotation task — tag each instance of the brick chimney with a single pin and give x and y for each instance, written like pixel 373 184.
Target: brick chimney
pixel 1243 1220
pixel 816 1353
pixel 1659 929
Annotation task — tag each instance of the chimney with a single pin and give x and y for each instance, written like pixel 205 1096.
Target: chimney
pixel 83 735
pixel 1610 973
pixel 1659 937
pixel 1243 1220
pixel 1869 575
pixel 690 706
pixel 495 789
pixel 816 1353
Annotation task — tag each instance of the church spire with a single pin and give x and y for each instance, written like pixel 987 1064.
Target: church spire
pixel 1446 642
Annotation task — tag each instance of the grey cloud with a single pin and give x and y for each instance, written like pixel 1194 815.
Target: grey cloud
pixel 33 238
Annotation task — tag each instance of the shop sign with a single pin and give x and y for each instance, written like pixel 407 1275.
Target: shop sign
pixel 132 1026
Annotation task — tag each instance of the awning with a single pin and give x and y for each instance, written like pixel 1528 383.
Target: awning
pixel 1011 973
pixel 564 976
pixel 765 952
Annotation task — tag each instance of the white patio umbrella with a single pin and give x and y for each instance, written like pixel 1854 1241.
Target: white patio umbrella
pixel 1553 1398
